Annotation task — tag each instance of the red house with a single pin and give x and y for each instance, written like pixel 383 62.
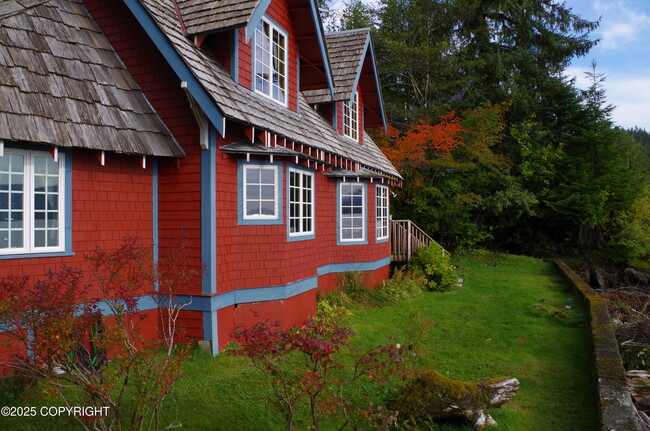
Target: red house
pixel 237 122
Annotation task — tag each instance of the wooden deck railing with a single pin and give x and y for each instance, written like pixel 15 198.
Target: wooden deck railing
pixel 406 238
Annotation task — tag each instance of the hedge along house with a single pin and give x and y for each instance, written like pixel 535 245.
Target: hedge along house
pixel 225 120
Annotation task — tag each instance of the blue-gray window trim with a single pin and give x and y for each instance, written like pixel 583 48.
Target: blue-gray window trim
pixel 301 237
pixel 278 220
pixel 378 186
pixel 338 214
pixel 67 186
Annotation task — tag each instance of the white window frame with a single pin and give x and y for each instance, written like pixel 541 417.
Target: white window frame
pixel 29 196
pixel 258 47
pixel 361 216
pixel 382 208
pixel 301 203
pixel 351 118
pixel 246 199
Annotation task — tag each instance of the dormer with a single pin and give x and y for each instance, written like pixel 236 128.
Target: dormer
pixel 274 48
pixel 356 103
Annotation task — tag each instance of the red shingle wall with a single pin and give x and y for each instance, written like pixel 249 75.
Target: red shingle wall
pixel 109 203
pixel 291 312
pixel 260 255
pixel 245 59
pixel 179 180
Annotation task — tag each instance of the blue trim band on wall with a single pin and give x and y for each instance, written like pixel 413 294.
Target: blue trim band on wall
pixel 256 294
pixel 353 266
pixel 68 200
pixel 209 213
pixel 210 330
pixel 176 62
pixel 154 209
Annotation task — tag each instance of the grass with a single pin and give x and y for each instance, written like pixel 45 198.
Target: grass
pixel 508 319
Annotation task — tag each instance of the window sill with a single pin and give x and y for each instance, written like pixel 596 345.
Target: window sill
pixel 304 237
pixel 36 255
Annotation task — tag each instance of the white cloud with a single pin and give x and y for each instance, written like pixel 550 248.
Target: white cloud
pixel 630 94
pixel 621 24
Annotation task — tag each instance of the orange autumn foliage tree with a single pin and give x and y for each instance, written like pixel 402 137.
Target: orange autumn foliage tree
pixel 419 142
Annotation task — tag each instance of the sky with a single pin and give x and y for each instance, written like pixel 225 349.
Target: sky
pixel 623 55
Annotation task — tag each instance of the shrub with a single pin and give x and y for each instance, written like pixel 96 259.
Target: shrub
pixel 332 314
pixel 433 263
pixel 304 363
pixel 352 291
pixel 404 284
pixel 58 320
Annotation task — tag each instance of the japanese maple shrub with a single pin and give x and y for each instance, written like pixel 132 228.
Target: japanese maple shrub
pixel 306 363
pixel 82 335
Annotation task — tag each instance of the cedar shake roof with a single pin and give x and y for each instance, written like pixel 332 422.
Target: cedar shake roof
pixel 201 16
pixel 237 103
pixel 62 84
pixel 352 60
pixel 347 51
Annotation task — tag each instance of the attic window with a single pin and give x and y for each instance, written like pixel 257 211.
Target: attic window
pixel 351 118
pixel 271 61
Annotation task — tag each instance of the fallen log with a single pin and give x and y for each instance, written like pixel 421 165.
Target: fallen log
pixel 431 395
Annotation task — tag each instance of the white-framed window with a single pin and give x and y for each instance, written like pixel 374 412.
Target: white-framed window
pixel 352 212
pixel 31 202
pixel 301 202
pixel 382 212
pixel 260 187
pixel 270 61
pixel 351 118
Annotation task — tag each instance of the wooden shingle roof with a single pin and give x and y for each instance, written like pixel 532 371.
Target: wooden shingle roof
pixel 200 16
pixel 244 106
pixel 347 51
pixel 62 84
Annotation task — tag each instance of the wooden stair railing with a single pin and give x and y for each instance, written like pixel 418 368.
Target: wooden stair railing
pixel 406 238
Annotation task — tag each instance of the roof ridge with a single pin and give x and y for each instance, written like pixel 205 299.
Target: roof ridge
pixel 179 15
pixel 354 30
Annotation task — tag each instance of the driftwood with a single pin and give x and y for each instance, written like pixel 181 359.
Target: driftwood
pixel 431 395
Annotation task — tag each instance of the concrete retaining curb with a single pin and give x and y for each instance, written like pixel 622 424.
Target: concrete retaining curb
pixel 616 410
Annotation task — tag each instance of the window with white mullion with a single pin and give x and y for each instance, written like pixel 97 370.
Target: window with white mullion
pixel 260 192
pixel 351 118
pixel 352 223
pixel 382 212
pixel 301 202
pixel 31 196
pixel 271 61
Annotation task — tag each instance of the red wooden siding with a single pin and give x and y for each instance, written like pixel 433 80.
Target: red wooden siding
pixel 259 255
pixel 245 60
pixel 179 181
pixel 108 203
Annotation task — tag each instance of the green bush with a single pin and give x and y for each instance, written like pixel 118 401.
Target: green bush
pixel 404 284
pixel 433 263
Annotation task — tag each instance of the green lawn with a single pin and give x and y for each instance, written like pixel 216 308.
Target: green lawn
pixel 508 319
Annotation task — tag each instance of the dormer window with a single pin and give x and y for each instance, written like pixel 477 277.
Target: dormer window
pixel 271 62
pixel 351 118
